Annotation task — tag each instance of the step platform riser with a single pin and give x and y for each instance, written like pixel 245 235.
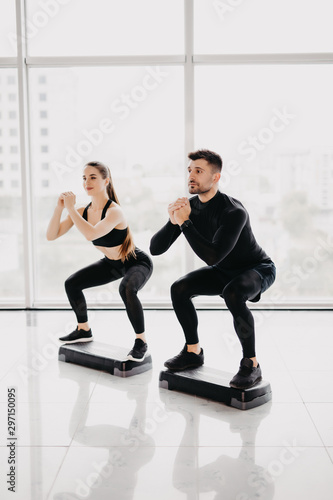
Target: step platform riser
pixel 104 357
pixel 213 384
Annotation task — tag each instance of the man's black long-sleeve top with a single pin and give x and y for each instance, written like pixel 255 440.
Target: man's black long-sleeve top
pixel 221 234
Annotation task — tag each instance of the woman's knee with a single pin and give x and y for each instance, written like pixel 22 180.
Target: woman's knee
pixel 70 283
pixel 127 290
pixel 135 279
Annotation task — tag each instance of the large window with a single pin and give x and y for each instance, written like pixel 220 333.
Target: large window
pixel 262 27
pixel 106 27
pixel 8 37
pixel 273 126
pixel 137 84
pixel 11 244
pixel 131 118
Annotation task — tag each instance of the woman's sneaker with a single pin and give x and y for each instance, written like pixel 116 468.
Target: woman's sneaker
pixel 247 375
pixel 77 336
pixel 185 360
pixel 138 352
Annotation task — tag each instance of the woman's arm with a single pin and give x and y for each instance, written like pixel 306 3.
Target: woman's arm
pixel 112 219
pixel 56 228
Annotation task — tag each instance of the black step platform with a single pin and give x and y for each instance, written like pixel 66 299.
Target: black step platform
pixel 105 357
pixel 213 384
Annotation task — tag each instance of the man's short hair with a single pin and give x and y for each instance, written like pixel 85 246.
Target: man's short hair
pixel 212 158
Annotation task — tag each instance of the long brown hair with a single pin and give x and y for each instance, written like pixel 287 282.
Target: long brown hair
pixel 127 248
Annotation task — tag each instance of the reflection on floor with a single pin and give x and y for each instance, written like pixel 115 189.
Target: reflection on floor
pixel 83 434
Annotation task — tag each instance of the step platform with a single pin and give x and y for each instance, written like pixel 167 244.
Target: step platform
pixel 104 357
pixel 213 384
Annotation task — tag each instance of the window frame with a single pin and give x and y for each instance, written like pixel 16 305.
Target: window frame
pixel 189 60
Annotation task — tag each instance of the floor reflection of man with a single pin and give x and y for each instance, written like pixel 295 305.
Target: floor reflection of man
pixel 229 477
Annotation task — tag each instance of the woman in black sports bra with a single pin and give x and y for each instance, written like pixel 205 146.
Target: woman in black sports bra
pixel 103 223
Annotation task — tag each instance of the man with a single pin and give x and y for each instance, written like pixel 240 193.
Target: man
pixel 217 227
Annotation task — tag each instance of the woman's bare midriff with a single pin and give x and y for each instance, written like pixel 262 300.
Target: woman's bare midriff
pixel 111 253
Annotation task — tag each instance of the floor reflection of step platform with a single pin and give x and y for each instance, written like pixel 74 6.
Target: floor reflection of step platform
pixel 213 384
pixel 104 357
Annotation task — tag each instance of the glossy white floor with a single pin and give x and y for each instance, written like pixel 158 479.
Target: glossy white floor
pixel 85 434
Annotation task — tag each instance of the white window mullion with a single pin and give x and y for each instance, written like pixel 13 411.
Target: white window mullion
pixel 8 62
pixel 189 103
pixel 53 61
pixel 24 155
pixel 221 59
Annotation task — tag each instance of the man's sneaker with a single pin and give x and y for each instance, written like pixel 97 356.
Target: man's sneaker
pixel 77 336
pixel 138 352
pixel 247 376
pixel 185 360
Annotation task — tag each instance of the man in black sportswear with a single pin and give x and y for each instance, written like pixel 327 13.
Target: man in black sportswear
pixel 217 227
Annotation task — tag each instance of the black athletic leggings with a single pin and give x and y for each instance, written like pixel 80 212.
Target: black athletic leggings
pixel 135 274
pixel 235 291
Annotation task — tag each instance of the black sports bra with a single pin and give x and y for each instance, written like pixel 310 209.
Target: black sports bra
pixel 112 239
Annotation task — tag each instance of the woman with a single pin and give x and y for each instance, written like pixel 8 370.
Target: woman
pixel 103 223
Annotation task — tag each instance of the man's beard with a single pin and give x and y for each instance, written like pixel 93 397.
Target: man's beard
pixel 195 189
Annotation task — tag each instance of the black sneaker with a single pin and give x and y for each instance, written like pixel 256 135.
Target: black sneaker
pixel 185 360
pixel 247 375
pixel 77 336
pixel 138 352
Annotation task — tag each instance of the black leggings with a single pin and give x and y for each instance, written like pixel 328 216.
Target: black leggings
pixel 235 291
pixel 135 274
